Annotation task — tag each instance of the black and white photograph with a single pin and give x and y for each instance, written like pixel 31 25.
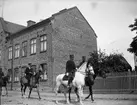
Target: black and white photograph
pixel 68 52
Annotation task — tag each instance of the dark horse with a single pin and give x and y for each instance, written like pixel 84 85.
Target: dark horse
pixel 89 81
pixel 34 83
pixel 3 83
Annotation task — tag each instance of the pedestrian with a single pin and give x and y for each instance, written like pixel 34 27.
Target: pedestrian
pixel 70 69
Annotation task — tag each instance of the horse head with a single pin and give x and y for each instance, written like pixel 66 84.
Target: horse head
pixel 38 75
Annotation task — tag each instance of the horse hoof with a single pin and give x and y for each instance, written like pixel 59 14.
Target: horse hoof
pixel 67 102
pixel 56 102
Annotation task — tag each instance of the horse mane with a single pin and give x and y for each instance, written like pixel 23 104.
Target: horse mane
pixel 83 67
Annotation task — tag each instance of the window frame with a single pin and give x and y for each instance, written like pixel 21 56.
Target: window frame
pixel 43 42
pixel 24 49
pixel 10 55
pixel 17 50
pixel 34 46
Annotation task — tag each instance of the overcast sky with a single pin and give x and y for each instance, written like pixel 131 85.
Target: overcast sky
pixel 109 18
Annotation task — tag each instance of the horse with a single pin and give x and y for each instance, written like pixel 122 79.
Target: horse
pixel 90 82
pixel 78 83
pixel 3 81
pixel 34 83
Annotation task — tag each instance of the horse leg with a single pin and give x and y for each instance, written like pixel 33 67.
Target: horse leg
pixel 91 93
pixel 65 94
pixel 76 92
pixel 80 93
pixel 56 90
pixel 22 90
pixel 38 92
pixel 30 92
pixel 6 90
pixel 25 89
pixel 69 94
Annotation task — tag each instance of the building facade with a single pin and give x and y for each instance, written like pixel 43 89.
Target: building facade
pixel 48 44
pixel 6 28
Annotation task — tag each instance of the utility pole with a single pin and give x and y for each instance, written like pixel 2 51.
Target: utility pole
pixel 12 70
pixel 2 8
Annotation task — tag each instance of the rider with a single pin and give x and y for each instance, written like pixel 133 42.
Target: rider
pixel 70 69
pixel 29 72
pixel 83 60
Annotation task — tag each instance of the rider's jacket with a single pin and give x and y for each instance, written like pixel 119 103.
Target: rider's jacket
pixel 29 71
pixel 70 66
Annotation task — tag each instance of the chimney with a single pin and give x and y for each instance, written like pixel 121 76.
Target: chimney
pixel 30 23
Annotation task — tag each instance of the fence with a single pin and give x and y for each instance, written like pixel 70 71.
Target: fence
pixel 116 83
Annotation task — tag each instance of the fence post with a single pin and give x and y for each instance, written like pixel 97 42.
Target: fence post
pixel 129 79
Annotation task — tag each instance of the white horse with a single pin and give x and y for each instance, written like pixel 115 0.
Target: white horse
pixel 78 82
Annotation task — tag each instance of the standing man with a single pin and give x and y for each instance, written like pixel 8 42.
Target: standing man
pixel 29 72
pixel 83 60
pixel 70 69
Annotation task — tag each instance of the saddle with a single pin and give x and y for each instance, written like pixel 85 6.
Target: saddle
pixel 66 77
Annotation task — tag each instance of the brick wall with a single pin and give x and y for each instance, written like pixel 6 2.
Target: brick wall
pixel 39 57
pixel 72 35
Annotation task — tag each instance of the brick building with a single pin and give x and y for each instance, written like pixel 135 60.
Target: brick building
pixel 6 28
pixel 48 43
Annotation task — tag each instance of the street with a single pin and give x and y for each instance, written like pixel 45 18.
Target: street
pixel 14 98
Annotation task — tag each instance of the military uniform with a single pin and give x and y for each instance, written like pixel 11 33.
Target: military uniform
pixel 29 73
pixel 70 69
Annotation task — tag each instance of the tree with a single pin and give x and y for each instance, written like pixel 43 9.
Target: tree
pixel 114 62
pixel 133 45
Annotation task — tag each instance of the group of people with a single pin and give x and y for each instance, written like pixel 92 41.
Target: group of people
pixel 71 67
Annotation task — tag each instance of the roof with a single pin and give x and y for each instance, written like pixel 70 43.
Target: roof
pixel 12 27
pixel 9 26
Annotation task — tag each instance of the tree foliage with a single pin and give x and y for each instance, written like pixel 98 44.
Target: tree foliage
pixel 133 45
pixel 114 62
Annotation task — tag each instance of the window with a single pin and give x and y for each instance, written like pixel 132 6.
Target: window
pixel 24 48
pixel 16 74
pixel 17 50
pixel 0 55
pixel 10 52
pixel 43 67
pixel 43 43
pixel 33 46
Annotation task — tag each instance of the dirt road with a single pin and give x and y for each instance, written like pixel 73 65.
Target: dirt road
pixel 15 98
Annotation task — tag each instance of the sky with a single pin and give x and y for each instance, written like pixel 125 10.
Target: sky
pixel 109 18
